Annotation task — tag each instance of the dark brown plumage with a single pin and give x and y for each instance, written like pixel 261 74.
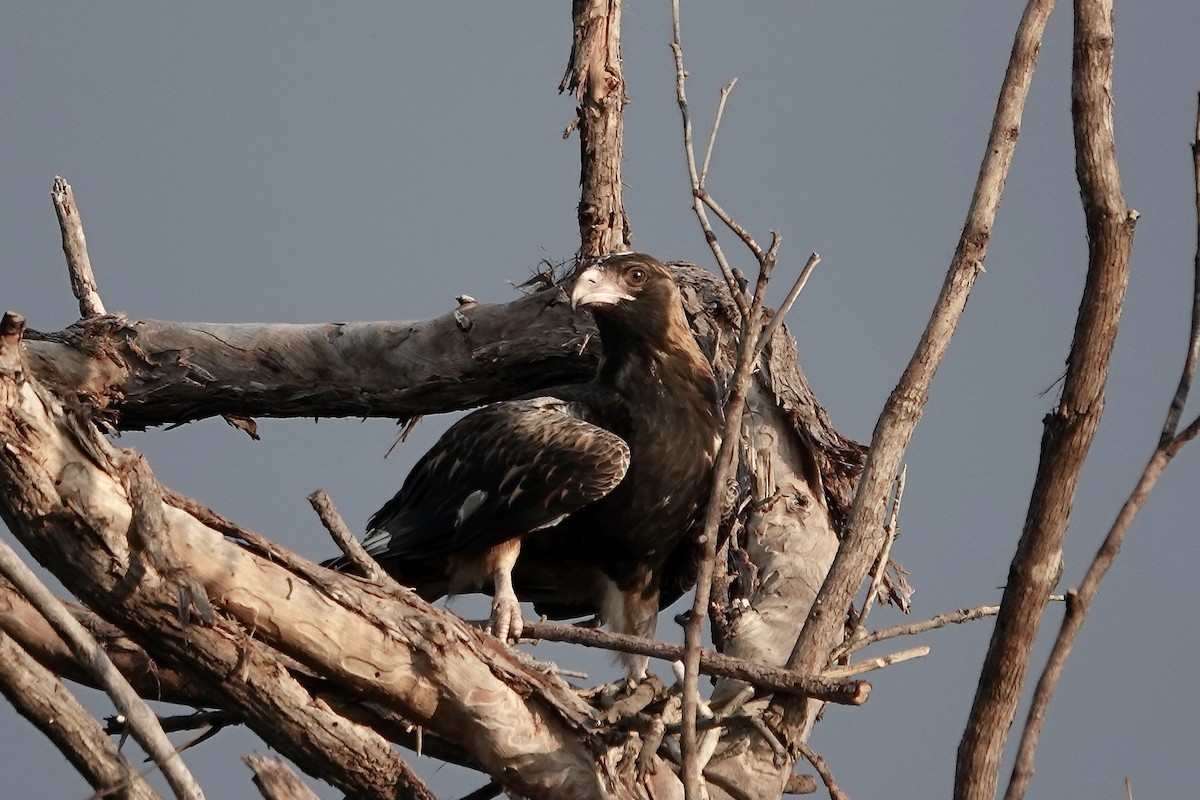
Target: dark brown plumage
pixel 583 498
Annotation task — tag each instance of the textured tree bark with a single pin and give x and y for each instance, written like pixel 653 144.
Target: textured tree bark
pixel 594 76
pixel 275 781
pixel 144 373
pixel 137 354
pixel 41 698
pixel 1070 428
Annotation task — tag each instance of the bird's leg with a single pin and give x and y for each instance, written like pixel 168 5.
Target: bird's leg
pixel 505 622
pixel 633 611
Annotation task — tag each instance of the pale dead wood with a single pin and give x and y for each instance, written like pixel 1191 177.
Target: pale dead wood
pixel 275 781
pixel 79 265
pixel 1069 430
pixel 41 698
pixel 29 629
pixel 143 722
pixel 711 662
pixel 1079 601
pixel 872 664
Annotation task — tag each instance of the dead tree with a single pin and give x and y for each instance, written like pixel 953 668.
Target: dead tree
pixel 189 607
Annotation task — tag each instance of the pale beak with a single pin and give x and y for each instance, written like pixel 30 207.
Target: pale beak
pixel 594 287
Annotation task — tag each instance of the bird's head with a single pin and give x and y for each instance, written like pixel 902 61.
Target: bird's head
pixel 624 286
pixel 636 304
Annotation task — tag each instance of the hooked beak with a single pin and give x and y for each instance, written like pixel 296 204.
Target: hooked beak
pixel 593 287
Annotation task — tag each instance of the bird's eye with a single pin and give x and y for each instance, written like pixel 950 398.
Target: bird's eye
pixel 636 276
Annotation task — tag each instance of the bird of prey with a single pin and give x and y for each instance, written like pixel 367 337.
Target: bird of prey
pixel 582 498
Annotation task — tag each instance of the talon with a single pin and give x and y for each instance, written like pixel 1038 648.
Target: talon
pixel 505 622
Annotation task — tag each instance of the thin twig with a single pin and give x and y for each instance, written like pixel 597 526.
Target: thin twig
pixel 727 459
pixel 83 282
pixel 818 763
pixel 738 229
pixel 348 542
pixel 711 662
pixel 872 664
pixel 142 721
pixel 712 136
pixel 777 320
pixel 891 528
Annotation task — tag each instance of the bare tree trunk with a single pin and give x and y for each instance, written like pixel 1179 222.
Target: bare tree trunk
pixel 594 75
pixel 1069 430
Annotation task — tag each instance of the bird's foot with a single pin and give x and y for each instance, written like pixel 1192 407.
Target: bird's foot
pixel 505 623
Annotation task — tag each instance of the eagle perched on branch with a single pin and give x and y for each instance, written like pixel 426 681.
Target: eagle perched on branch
pixel 585 498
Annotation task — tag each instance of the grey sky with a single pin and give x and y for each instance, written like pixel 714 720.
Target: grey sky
pixel 276 162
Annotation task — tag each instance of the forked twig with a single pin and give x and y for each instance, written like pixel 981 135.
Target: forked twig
pixel 777 320
pixel 712 136
pixel 735 289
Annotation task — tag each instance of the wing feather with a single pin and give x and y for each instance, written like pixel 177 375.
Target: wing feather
pixel 498 473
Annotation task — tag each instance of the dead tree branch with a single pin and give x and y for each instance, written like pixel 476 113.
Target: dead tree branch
pixel 275 781
pixel 39 696
pixel 1079 601
pixel 862 539
pixel 143 722
pixel 79 265
pixel 1070 428
pixel 595 77
pixel 711 662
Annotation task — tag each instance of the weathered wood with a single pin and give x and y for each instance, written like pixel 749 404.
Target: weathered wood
pixel 1070 429
pixel 153 373
pixel 275 781
pixel 41 698
pixel 142 373
pixel 594 76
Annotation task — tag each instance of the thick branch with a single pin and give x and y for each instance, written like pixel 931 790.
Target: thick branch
pixel 147 372
pixel 864 534
pixel 1069 430
pixel 42 699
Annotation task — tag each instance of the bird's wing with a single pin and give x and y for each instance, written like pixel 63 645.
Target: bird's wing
pixel 498 473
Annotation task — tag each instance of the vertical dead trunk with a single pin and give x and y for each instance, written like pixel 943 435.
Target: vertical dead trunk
pixel 594 76
pixel 1069 430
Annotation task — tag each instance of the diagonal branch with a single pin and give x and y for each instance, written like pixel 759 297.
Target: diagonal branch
pixel 1070 429
pixel 42 699
pixel 79 264
pixel 1079 601
pixel 863 537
